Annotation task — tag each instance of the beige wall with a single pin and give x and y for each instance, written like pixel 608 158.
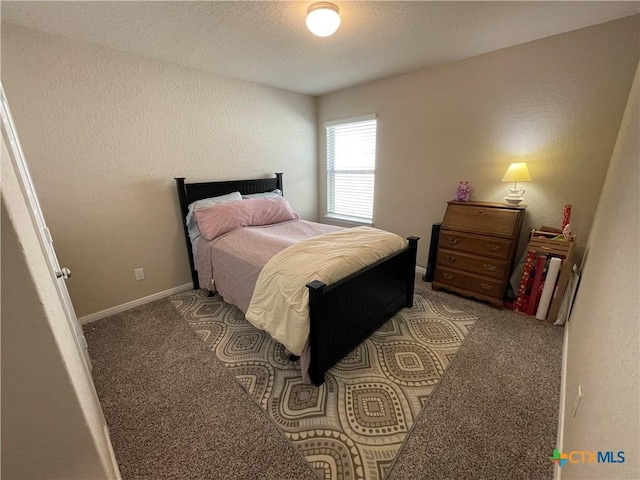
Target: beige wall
pixel 603 331
pixel 105 132
pixel 555 103
pixel 52 425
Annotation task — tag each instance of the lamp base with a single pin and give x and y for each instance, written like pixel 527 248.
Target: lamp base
pixel 513 200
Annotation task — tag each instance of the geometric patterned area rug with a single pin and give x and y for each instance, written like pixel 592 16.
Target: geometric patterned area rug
pixel 352 426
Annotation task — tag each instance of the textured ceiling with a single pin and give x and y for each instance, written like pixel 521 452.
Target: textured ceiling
pixel 267 42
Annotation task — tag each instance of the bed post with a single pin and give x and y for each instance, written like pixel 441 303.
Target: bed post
pixel 184 209
pixel 316 291
pixel 411 273
pixel 279 182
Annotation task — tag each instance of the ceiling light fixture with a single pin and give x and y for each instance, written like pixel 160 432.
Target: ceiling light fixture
pixel 323 19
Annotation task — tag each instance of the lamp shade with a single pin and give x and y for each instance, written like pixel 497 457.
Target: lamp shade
pixel 323 19
pixel 517 172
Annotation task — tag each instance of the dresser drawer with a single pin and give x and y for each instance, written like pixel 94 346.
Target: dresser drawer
pixel 471 218
pixel 470 282
pixel 489 267
pixel 477 244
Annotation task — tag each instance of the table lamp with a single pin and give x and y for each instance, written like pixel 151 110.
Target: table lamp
pixel 517 172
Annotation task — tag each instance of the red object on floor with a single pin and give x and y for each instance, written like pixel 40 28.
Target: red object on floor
pixel 535 288
pixel 522 291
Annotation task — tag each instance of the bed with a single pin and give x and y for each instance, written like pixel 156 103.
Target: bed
pixel 341 314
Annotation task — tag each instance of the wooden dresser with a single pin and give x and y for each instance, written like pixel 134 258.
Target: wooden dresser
pixel 476 248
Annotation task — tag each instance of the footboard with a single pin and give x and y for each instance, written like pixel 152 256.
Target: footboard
pixel 347 312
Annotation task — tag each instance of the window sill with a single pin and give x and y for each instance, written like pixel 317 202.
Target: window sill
pixel 347 221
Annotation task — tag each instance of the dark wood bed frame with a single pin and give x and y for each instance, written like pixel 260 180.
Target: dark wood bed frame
pixel 343 314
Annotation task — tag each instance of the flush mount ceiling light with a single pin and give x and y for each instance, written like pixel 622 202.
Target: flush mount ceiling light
pixel 323 19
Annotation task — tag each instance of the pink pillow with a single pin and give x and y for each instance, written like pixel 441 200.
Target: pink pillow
pixel 222 218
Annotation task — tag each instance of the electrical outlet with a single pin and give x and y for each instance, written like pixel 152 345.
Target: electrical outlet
pixel 576 402
pixel 139 273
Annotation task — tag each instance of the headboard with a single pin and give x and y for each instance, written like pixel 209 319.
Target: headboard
pixel 190 192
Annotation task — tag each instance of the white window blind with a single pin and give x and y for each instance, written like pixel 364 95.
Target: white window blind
pixel 351 162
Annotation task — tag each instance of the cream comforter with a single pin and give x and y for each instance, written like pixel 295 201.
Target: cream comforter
pixel 280 301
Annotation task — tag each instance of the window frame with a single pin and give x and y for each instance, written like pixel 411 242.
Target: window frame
pixel 331 171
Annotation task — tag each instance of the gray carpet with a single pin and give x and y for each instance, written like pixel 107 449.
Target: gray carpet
pixel 495 413
pixel 174 411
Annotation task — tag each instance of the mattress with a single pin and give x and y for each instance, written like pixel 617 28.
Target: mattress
pixel 231 263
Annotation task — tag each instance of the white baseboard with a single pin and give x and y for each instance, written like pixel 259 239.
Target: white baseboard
pixel 563 396
pixel 134 303
pixel 157 296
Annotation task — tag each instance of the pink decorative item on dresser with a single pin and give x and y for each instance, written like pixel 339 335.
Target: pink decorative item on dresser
pixel 462 194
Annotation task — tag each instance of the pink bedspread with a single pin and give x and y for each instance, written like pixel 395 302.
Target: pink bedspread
pixel 231 263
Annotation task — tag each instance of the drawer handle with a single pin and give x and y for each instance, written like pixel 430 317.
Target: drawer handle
pixel 486 286
pixel 453 241
pixel 490 267
pixel 450 259
pixel 448 276
pixel 493 247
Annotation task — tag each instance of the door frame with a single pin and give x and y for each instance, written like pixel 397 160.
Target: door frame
pixel 83 386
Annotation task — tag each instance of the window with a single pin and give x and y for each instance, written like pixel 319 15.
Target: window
pixel 351 162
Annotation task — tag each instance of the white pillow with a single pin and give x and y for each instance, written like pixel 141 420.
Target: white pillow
pixel 192 226
pixel 272 194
